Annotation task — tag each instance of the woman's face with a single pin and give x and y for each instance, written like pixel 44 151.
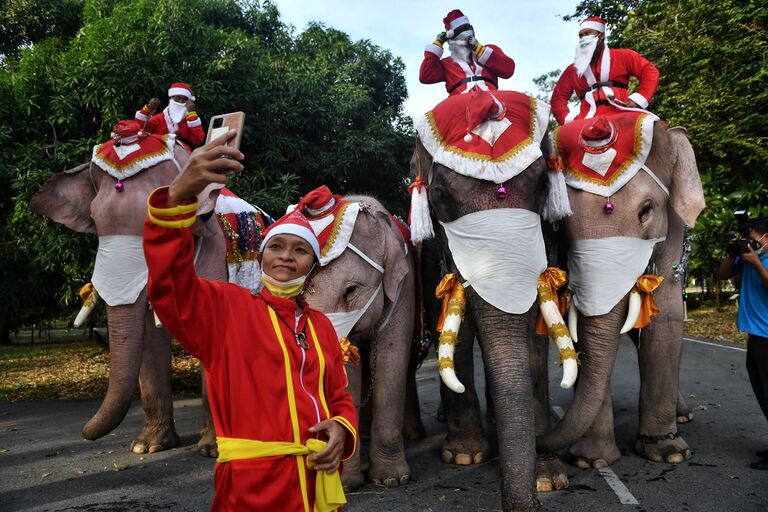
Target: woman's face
pixel 287 257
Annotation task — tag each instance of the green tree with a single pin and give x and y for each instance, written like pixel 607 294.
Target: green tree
pixel 319 108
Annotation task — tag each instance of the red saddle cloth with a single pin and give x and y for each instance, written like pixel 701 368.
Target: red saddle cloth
pixel 602 154
pixel 125 160
pixel 504 127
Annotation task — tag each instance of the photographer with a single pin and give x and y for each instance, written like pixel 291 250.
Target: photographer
pixel 749 256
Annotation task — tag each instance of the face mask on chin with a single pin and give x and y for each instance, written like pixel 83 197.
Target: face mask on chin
pixel 284 289
pixel 177 111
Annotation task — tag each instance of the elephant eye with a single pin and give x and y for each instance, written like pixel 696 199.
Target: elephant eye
pixel 645 212
pixel 349 293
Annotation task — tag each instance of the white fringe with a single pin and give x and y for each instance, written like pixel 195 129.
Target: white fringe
pixel 421 222
pixel 557 206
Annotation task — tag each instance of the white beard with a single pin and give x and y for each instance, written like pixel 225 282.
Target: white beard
pixel 460 50
pixel 176 111
pixel 584 53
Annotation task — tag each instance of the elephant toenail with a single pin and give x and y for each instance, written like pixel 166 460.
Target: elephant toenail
pixel 543 484
pixel 376 482
pixel 479 458
pixel 405 479
pixel 390 482
pixel 155 448
pixel 599 464
pixel 447 456
pixel 655 457
pixel 463 459
pixel 581 463
pixel 675 458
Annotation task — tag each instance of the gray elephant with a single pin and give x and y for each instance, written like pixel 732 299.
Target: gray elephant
pixel 365 285
pixel 629 218
pixel 479 153
pixel 107 197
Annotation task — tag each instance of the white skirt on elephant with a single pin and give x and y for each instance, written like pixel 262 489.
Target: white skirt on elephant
pixel 120 273
pixel 500 253
pixel 601 271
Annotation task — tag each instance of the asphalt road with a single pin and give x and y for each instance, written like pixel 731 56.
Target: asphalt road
pixel 46 465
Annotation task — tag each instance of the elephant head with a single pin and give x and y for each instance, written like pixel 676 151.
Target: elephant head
pixel 88 199
pixel 612 241
pixel 365 285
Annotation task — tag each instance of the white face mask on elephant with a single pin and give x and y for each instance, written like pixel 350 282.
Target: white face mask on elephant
pixel 603 270
pixel 345 321
pixel 500 253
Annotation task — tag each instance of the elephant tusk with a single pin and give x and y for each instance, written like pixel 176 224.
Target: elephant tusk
pixel 633 310
pixel 158 323
pixel 573 321
pixel 445 349
pixel 560 335
pixel 88 305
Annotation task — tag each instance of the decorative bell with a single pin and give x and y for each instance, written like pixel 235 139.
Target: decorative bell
pixel 501 193
pixel 608 207
pixel 119 186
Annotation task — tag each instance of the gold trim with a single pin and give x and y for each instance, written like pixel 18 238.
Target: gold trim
pixel 559 330
pixel 444 363
pixel 181 209
pixel 569 353
pixel 120 166
pixel 182 223
pixel 338 221
pixel 544 293
pixel 448 338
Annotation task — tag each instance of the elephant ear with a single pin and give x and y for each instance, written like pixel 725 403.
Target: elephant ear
pixel 66 199
pixel 686 192
pixel 395 256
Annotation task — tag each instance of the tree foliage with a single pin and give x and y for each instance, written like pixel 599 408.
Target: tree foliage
pixel 320 109
pixel 713 60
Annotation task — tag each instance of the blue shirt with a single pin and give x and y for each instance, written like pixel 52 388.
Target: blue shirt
pixel 753 300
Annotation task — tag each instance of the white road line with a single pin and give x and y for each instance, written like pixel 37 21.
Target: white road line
pixel 613 481
pixel 715 344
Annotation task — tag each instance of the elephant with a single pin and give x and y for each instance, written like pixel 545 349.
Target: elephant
pixel 87 199
pixel 368 291
pixel 489 231
pixel 646 219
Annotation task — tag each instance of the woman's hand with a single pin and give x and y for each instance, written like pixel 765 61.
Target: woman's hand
pixel 328 460
pixel 206 165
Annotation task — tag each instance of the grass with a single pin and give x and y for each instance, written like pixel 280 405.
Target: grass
pixel 80 369
pixel 76 370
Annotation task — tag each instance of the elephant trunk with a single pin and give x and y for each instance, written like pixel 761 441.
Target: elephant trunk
pixel 126 335
pixel 599 337
pixel 504 340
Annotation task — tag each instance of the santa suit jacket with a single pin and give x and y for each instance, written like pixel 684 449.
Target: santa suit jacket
pixel 492 65
pixel 614 66
pixel 259 387
pixel 190 129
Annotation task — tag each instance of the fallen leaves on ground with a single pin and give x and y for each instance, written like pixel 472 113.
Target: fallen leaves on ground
pixel 77 370
pixel 715 323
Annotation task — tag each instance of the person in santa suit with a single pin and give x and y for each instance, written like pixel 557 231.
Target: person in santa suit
pixel 273 366
pixel 178 117
pixel 470 64
pixel 599 76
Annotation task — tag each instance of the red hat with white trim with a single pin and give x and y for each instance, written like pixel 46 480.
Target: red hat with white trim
pixel 454 20
pixel 294 223
pixel 318 202
pixel 181 89
pixel 594 23
pixel 127 131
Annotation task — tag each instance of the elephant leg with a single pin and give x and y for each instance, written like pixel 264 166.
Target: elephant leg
pixel 659 358
pixel 597 447
pixel 684 413
pixel 352 477
pixel 207 446
pixel 504 340
pixel 465 441
pixel 159 432
pixel 413 428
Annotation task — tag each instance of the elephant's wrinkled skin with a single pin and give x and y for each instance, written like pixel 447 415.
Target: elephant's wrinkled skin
pixel 504 338
pixel 385 331
pixel 85 200
pixel 644 211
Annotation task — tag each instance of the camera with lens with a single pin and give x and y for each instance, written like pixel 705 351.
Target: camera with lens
pixel 744 242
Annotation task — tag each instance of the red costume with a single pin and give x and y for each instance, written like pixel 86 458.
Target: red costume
pixel 603 80
pixel 189 129
pixel 488 62
pixel 262 384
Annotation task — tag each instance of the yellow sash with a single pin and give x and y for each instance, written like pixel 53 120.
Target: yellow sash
pixel 329 493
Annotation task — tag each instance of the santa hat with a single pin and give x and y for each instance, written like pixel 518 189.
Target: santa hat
pixel 594 23
pixel 180 89
pixel 318 202
pixel 126 131
pixel 452 21
pixel 483 107
pixel 293 223
pixel 599 134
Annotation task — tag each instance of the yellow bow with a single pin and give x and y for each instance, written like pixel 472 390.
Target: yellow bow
pixel 329 493
pixel 349 352
pixel 86 294
pixel 552 279
pixel 449 291
pixel 645 285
